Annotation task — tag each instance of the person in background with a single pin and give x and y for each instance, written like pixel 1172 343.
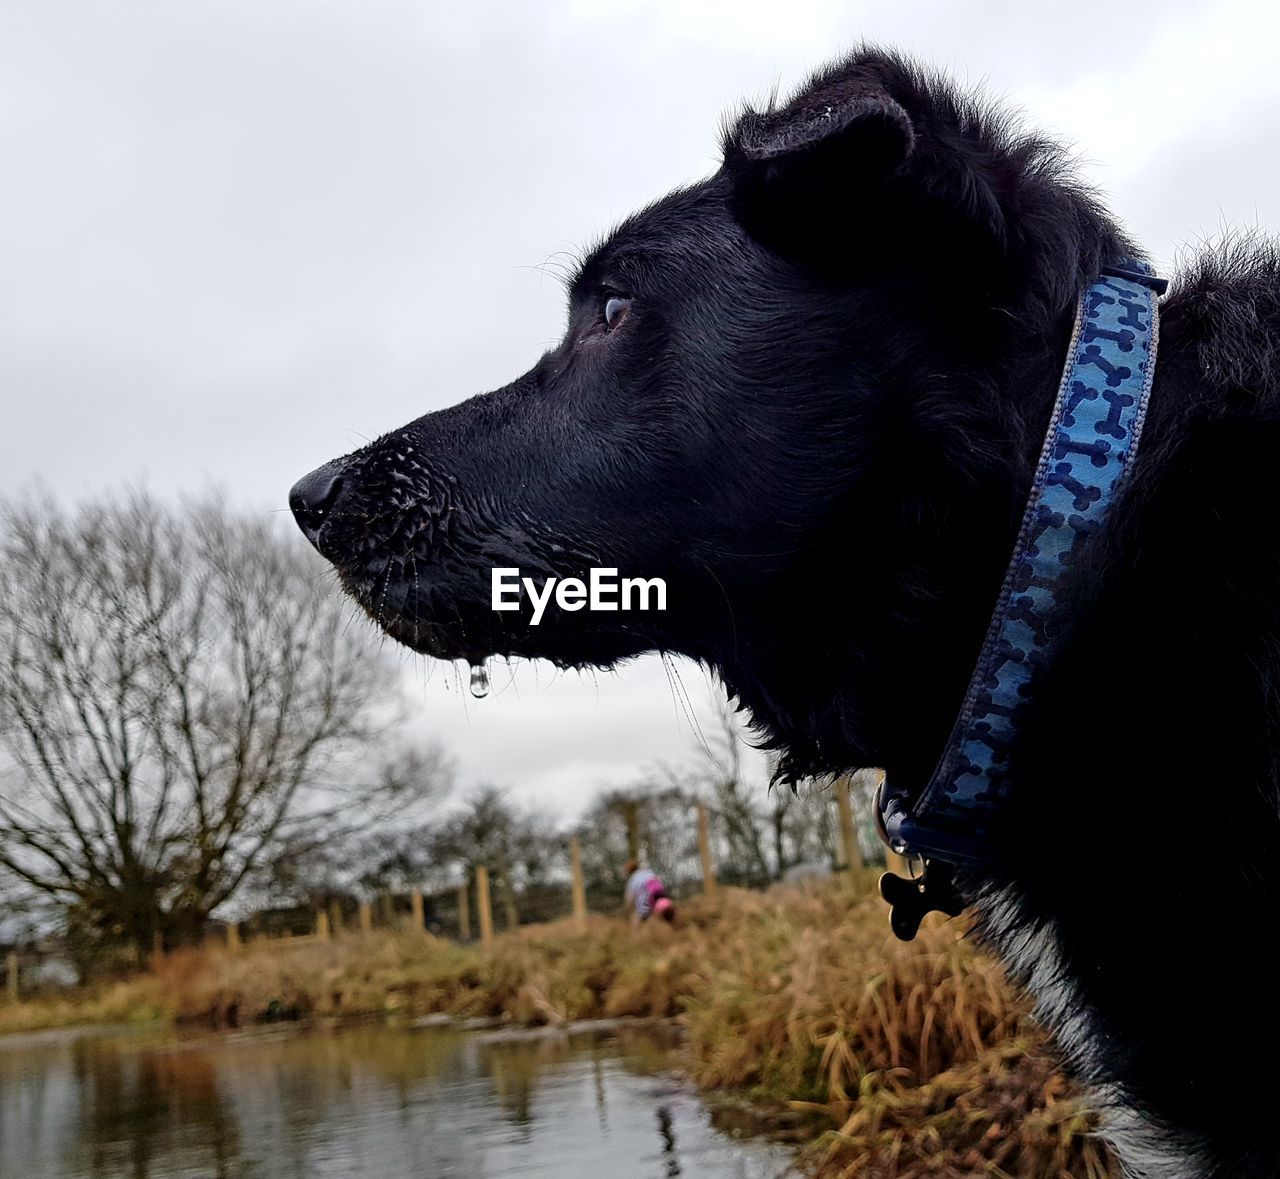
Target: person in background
pixel 645 895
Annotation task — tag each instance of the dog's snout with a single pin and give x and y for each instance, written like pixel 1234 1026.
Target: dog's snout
pixel 313 497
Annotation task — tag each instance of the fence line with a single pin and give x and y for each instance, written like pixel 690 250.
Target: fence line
pixel 328 921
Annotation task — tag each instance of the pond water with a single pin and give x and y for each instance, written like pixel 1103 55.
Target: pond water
pixel 372 1101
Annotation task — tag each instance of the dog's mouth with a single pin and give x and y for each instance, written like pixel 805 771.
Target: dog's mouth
pixel 416 606
pixel 419 549
pixel 446 611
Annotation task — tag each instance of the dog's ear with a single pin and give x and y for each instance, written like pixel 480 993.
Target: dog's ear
pixel 860 164
pixel 853 128
pixel 816 158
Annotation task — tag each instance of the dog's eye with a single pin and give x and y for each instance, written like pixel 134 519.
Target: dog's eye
pixel 615 310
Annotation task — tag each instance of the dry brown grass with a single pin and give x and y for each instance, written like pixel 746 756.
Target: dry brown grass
pixel 911 1060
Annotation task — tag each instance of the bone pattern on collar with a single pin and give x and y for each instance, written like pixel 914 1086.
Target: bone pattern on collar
pixel 1091 441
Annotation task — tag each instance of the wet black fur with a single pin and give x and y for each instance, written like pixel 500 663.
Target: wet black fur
pixel 818 422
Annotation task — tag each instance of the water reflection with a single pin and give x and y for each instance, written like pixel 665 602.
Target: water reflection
pixel 365 1101
pixel 666 1128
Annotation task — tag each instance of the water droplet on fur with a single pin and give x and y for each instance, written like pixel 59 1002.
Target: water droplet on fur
pixel 480 682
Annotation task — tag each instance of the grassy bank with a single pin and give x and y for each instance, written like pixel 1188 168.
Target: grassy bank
pixel 912 1059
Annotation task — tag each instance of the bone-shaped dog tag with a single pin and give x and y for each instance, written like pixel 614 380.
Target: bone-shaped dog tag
pixel 909 900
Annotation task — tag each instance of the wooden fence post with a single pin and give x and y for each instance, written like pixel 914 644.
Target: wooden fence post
pixel 322 926
pixel 464 914
pixel 366 917
pixel 11 975
pixel 233 936
pixel 631 816
pixel 415 912
pixel 579 885
pixel 848 833
pixel 704 851
pixel 482 906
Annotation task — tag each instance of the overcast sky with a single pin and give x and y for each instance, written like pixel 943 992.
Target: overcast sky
pixel 237 238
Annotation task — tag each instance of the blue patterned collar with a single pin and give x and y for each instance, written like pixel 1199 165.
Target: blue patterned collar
pixel 1092 438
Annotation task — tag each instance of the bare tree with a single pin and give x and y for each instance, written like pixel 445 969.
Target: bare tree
pixel 519 846
pixel 735 800
pixel 651 819
pixel 763 829
pixel 180 697
pixel 379 850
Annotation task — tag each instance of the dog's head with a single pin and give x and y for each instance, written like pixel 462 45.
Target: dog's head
pixel 775 392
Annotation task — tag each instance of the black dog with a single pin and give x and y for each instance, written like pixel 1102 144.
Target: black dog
pixel 809 393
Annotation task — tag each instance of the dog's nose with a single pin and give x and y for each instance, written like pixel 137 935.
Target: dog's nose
pixel 312 498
